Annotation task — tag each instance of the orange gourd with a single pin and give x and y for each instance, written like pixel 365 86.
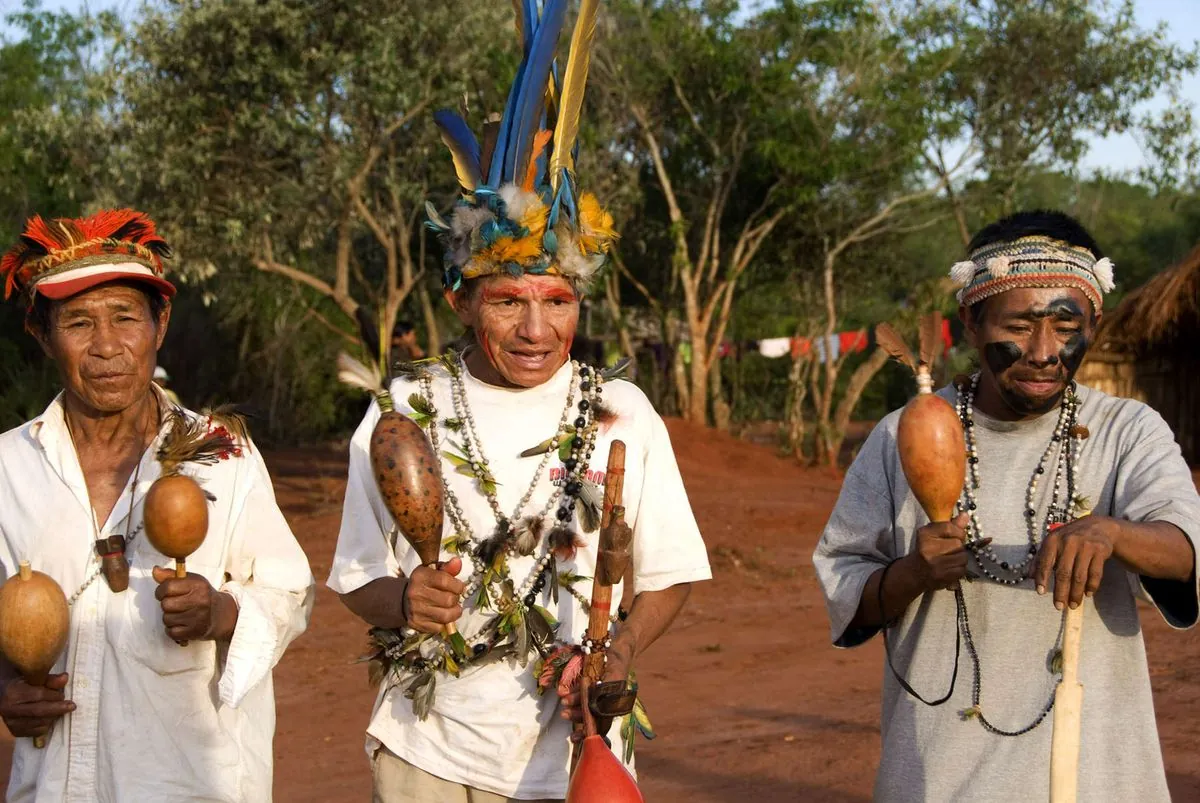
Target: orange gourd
pixel 176 518
pixel 34 623
pixel 929 439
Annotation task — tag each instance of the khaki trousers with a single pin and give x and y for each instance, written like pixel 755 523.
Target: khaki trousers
pixel 397 781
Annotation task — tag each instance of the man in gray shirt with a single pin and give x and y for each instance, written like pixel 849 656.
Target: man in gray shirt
pixel 1042 454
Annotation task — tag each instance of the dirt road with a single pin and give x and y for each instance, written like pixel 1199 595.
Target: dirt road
pixel 748 705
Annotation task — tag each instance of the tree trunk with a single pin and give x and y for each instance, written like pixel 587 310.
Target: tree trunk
pixel 612 297
pixel 679 373
pixel 433 336
pixel 797 393
pixel 721 411
pixel 859 380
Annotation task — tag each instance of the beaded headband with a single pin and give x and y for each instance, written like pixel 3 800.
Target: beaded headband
pixel 520 210
pixel 1033 261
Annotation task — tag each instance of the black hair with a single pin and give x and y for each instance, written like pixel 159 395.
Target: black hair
pixel 401 328
pixel 1036 222
pixel 41 312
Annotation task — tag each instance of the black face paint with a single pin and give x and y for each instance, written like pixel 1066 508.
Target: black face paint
pixel 1001 355
pixel 1073 352
pixel 1064 308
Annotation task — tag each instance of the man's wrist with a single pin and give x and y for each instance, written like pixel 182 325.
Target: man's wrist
pixel 224 617
pixel 905 582
pixel 405 606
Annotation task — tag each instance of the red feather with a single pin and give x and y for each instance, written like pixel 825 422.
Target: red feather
pixel 89 236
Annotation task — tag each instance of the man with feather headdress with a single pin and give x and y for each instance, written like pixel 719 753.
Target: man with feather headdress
pixel 164 691
pixel 1072 498
pixel 522 432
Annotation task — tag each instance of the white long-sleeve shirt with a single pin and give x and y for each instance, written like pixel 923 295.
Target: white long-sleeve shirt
pixel 154 721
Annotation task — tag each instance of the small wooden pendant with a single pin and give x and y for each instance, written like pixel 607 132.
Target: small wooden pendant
pixel 113 564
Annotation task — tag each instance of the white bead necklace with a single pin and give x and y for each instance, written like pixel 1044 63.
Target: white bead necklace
pixel 1064 446
pixel 585 432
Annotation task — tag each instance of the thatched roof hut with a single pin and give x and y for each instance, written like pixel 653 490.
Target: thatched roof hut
pixel 1146 349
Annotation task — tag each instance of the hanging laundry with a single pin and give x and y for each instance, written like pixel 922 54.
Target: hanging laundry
pixel 827 345
pixel 852 342
pixel 775 347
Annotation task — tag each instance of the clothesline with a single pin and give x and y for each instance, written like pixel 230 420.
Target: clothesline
pixel 849 342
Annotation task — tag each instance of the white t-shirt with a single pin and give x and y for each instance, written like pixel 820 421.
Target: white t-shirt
pixel 489 728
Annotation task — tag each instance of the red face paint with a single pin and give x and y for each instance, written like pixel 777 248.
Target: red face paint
pixel 525 328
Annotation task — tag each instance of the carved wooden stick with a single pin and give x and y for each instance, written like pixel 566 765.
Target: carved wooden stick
pixel 607 574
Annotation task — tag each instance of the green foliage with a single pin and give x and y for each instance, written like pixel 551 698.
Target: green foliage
pixel 297 134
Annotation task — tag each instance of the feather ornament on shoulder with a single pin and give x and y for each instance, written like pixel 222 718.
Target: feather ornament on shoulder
pixel 194 440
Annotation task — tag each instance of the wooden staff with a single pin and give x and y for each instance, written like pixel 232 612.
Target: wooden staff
pixel 1068 711
pixel 607 574
pixel 34 624
pixel 596 774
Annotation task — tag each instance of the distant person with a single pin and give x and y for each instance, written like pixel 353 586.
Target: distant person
pixel 493 721
pixel 403 346
pixel 161 378
pixel 1043 453
pixel 164 692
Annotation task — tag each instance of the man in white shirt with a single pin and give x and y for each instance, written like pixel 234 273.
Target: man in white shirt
pixel 164 691
pixel 523 434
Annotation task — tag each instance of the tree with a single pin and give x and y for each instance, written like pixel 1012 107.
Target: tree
pixel 296 137
pixel 55 114
pixel 1029 82
pixel 692 87
pixel 859 149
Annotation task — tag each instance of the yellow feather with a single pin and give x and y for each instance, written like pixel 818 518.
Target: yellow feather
pixel 596 231
pixel 522 251
pixel 534 219
pixel 566 129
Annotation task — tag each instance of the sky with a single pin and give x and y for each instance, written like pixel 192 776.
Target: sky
pixel 1111 154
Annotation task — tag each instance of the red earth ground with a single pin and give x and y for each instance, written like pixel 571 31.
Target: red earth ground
pixel 749 699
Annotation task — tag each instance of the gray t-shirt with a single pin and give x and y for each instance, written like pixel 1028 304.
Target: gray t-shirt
pixel 1131 468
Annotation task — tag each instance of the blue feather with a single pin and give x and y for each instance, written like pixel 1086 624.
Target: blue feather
pixel 496 172
pixel 535 76
pixel 530 27
pixel 462 144
pixel 497 175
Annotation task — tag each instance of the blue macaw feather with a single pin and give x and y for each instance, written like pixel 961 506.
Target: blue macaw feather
pixel 555 205
pixel 568 198
pixel 496 173
pixel 464 148
pixel 529 25
pixel 535 74
pixel 529 29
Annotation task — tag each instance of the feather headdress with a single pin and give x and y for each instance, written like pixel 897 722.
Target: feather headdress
pixel 64 256
pixel 521 210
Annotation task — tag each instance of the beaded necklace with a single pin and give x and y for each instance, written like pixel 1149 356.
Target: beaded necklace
pixel 520 624
pixel 1057 512
pixel 1064 445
